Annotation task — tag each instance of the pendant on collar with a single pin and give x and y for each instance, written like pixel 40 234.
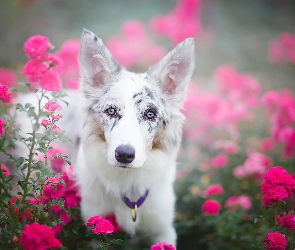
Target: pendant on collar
pixel 135 205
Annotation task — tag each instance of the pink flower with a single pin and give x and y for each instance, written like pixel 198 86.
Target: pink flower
pixel 37 46
pixel 51 81
pixel 287 220
pixel 55 118
pixel 182 22
pixel 271 194
pixel 52 60
pixel 38 237
pixel 45 123
pixel 211 207
pixel 64 217
pixel 278 186
pixel 162 246
pixel 256 166
pixel 57 163
pixel 219 161
pixel 92 221
pixel 132 45
pixel 235 202
pixel 267 144
pixel 5 170
pixel 215 189
pixel 34 70
pixel 2 130
pixel 57 128
pixel 55 190
pixel 281 109
pixel 4 95
pixel 7 77
pixel 102 226
pixel 112 219
pixel 52 106
pixel 275 241
pixel 279 176
pixel 69 69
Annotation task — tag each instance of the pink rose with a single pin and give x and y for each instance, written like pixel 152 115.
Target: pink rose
pixel 36 46
pixel 211 207
pixel 275 241
pixel 215 189
pixel 36 236
pixel 162 246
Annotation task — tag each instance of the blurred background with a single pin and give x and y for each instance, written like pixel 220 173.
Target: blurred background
pixel 240 108
pixel 233 32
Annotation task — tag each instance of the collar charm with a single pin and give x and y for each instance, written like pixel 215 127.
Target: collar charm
pixel 135 205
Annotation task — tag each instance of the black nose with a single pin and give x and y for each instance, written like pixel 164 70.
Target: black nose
pixel 125 153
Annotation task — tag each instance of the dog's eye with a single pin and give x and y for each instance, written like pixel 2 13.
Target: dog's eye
pixel 111 111
pixel 150 114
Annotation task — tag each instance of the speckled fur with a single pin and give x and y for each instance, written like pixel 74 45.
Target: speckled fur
pixel 101 177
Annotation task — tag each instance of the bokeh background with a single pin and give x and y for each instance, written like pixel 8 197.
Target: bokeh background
pixel 233 32
pixel 240 107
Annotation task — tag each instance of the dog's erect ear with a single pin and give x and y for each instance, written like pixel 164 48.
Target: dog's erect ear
pixel 174 71
pixel 96 62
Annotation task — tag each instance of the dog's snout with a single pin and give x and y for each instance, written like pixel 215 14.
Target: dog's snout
pixel 125 153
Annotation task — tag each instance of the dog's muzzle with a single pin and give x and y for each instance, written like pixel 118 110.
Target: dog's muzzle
pixel 125 153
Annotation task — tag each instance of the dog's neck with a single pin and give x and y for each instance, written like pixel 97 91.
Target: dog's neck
pixel 134 205
pixel 138 203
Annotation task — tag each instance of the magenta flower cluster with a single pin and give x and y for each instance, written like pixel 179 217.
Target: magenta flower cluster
pixel 40 69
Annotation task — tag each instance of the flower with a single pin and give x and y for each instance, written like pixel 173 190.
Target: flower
pixel 112 219
pixel 34 70
pixel 92 221
pixel 162 246
pixel 55 190
pixel 215 189
pixel 132 45
pixel 219 161
pixel 256 166
pixel 275 241
pixel 51 81
pixel 2 130
pixel 102 226
pixel 52 106
pixel 69 69
pixel 37 46
pixel 211 207
pixel 278 186
pixel 7 77
pixel 235 202
pixel 38 237
pixel 182 22
pixel 45 123
pixel 287 220
pixel 5 170
pixel 4 95
pixel 57 128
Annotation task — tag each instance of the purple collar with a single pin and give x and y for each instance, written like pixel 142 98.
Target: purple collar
pixel 138 203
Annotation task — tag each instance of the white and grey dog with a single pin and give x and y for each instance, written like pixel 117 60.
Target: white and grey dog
pixel 130 138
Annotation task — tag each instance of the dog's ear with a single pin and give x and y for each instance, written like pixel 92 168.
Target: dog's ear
pixel 96 62
pixel 174 71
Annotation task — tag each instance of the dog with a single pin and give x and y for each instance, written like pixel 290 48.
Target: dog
pixel 132 130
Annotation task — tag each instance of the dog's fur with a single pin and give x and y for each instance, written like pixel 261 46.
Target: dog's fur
pixel 145 114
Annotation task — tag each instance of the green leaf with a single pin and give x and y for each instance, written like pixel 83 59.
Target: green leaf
pixel 28 105
pixel 36 127
pixel 5 197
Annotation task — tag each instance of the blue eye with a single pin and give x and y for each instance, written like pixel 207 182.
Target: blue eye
pixel 150 114
pixel 110 111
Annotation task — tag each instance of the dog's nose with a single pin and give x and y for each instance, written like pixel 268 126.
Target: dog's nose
pixel 125 153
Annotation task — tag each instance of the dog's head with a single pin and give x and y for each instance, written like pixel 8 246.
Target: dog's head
pixel 133 114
